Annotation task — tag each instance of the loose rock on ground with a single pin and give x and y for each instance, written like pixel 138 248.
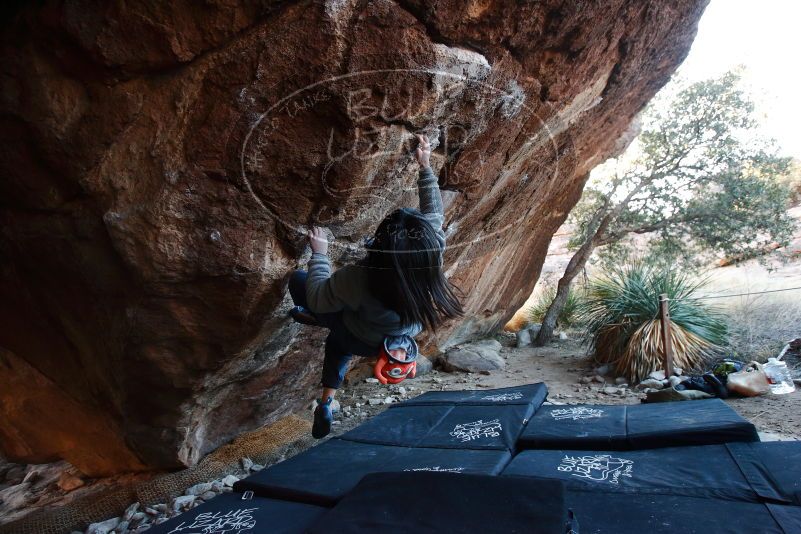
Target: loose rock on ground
pixel 474 357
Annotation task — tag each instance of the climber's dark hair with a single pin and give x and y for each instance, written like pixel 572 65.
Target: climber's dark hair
pixel 404 261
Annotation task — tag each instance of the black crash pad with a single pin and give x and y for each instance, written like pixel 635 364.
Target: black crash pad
pixel 586 427
pixel 617 513
pixel 779 462
pixel 436 503
pixel 325 473
pixel 454 426
pixel 670 424
pixel 529 394
pixel 700 422
pixel 228 513
pixel 729 471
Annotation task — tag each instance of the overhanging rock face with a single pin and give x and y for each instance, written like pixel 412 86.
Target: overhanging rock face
pixel 161 160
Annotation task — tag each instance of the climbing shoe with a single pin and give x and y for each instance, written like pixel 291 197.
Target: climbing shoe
pixel 303 316
pixel 322 419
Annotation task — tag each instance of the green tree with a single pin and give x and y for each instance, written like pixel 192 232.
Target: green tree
pixel 697 178
pixel 793 181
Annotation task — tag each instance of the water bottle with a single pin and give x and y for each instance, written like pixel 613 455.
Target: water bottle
pixel 781 381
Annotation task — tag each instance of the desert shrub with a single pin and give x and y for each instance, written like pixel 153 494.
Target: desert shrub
pixel 620 312
pixel 760 325
pixel 566 317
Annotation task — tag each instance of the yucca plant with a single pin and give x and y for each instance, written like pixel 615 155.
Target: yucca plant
pixel 566 318
pixel 621 314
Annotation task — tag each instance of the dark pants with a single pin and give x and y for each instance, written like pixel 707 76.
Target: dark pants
pixel 340 345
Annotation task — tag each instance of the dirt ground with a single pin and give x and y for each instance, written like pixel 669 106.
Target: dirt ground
pixel 560 366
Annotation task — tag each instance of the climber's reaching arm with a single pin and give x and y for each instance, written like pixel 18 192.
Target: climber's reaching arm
pixel 428 189
pixel 320 294
pixel 326 292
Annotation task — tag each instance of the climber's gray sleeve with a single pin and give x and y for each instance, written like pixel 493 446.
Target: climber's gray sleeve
pixel 326 293
pixel 431 201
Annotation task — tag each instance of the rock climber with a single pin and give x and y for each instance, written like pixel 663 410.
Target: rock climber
pixel 398 289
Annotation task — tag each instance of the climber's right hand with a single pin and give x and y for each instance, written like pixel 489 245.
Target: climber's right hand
pixel 423 152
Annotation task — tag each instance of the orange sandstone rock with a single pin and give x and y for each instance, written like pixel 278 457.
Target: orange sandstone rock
pixel 160 162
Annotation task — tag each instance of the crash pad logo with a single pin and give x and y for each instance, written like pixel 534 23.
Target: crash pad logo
pixel 477 429
pixel 230 522
pixel 597 467
pixel 438 469
pixel 576 413
pixel 501 397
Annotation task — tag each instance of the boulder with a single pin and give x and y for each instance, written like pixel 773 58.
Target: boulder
pixel 230 480
pixel 424 365
pixel 487 344
pixel 69 481
pixel 103 527
pixel 523 337
pixel 182 503
pixel 162 164
pixel 507 338
pixel 198 489
pixel 131 512
pixel 651 383
pixel 657 375
pixel 676 380
pixel 474 357
pixel 602 370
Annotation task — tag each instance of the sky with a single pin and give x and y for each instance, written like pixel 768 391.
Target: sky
pixel 765 37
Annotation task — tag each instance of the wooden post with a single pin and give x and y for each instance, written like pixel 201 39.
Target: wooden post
pixel 667 341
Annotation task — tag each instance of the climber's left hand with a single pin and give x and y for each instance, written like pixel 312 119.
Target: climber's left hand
pixel 318 240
